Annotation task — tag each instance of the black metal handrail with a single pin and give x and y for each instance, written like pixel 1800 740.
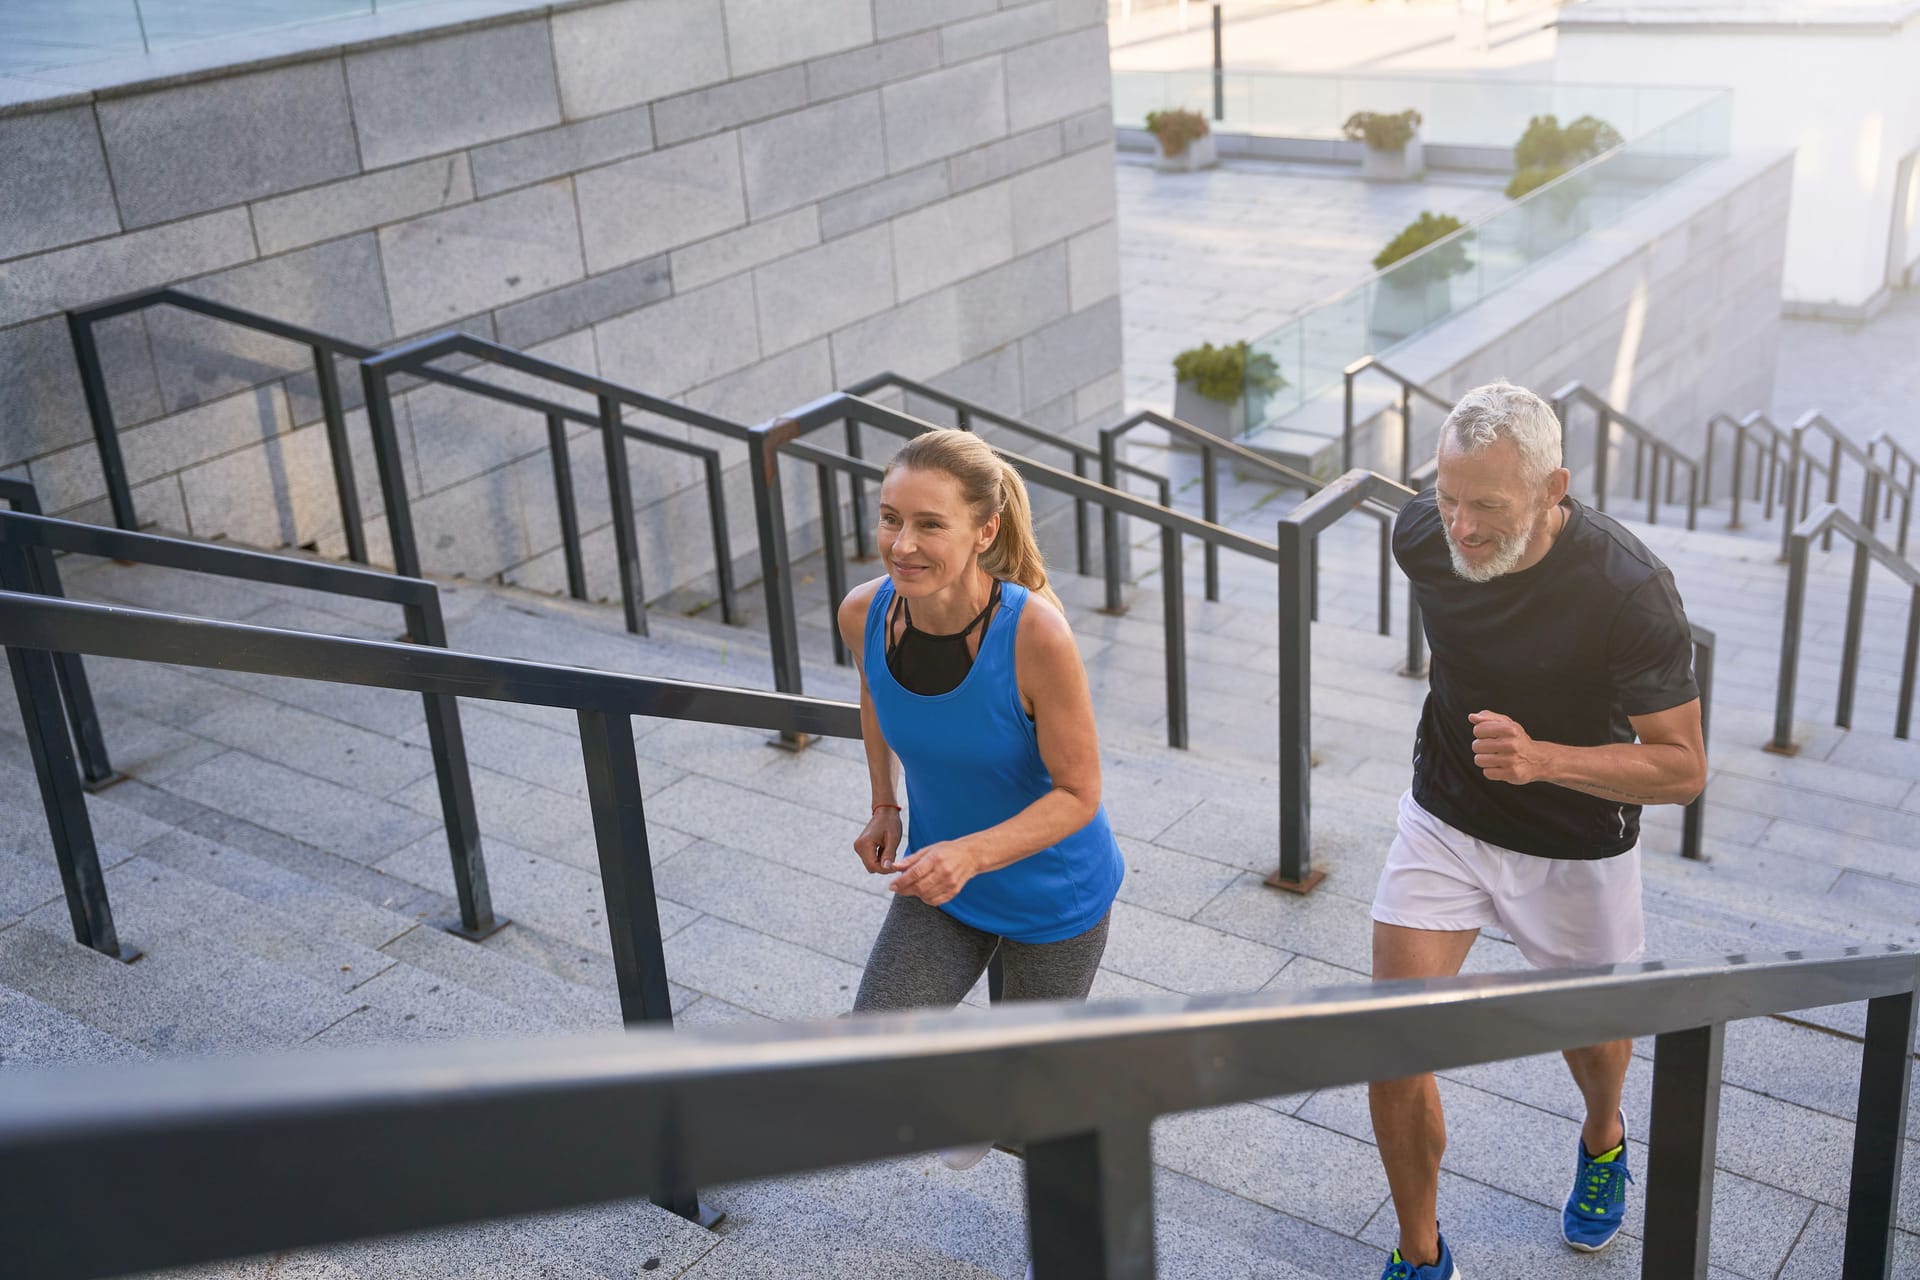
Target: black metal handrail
pixel 206 1160
pixel 1896 454
pixel 28 539
pixel 1209 445
pixel 1774 441
pixel 417 358
pixel 1294 538
pixel 1645 440
pixel 325 349
pixel 1825 519
pixel 1408 390
pixel 96 769
pixel 965 413
pixel 785 435
pixel 1873 478
pixel 604 703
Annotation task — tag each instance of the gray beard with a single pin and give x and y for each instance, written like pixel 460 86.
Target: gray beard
pixel 1508 552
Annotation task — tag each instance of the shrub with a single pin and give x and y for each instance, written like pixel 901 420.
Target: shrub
pixel 1545 145
pixel 1428 228
pixel 1224 373
pixel 1175 128
pixel 1381 130
pixel 1531 179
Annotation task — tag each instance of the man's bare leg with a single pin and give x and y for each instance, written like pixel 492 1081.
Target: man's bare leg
pixel 1601 1072
pixel 1407 1121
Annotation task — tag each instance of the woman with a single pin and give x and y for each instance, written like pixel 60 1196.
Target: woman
pixel 970 678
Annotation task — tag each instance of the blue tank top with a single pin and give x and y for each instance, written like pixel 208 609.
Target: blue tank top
pixel 972 760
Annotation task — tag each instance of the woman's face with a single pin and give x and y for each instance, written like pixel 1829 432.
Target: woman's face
pixel 927 537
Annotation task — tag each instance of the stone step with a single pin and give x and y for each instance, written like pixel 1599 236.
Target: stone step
pixel 185 996
pixel 33 1034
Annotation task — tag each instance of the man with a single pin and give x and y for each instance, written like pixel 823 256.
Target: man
pixel 1562 699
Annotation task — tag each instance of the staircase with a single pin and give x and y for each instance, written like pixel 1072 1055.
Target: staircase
pixel 276 852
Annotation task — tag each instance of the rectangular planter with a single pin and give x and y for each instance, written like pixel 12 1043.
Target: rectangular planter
pixel 1228 421
pixel 1201 153
pixel 1405 165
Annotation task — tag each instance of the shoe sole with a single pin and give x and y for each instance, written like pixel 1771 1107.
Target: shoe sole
pixel 1590 1248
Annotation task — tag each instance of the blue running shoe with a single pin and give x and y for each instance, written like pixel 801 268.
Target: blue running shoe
pixel 1399 1268
pixel 1599 1200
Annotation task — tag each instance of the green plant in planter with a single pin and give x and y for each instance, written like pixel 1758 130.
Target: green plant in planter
pixel 1175 128
pixel 1224 373
pixel 1448 260
pixel 1546 150
pixel 1381 130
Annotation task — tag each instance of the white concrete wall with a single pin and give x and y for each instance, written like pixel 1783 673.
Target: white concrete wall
pixel 736 204
pixel 1845 96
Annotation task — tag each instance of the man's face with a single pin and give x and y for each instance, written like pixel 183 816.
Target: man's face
pixel 1491 513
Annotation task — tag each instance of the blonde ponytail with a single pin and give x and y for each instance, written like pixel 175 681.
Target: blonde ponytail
pixel 1015 554
pixel 991 487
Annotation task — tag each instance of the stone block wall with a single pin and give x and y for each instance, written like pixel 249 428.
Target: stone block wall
pixel 739 205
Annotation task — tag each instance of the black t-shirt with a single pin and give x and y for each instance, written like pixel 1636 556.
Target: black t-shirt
pixel 1568 648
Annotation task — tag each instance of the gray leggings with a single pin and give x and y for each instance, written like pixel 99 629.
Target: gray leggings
pixel 924 958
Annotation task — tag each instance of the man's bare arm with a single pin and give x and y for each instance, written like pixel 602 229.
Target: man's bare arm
pixel 1667 766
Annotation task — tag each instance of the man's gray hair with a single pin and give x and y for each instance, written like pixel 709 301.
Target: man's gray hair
pixel 1502 411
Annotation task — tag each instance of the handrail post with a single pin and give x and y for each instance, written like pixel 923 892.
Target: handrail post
pixel 1788 493
pixel 340 449
pixel 1693 499
pixel 393 476
pixel 1386 578
pixel 1210 506
pixel 1879 1138
pixel 1603 448
pixel 36 687
pixel 1082 551
pixel 93 385
pixel 722 539
pixel 1903 718
pixel 626 538
pixel 1833 485
pixel 626 876
pixel 831 553
pixel 1173 607
pixel 1693 816
pixel 1739 462
pixel 1090 1204
pixel 43 578
pixel 1782 743
pixel 564 500
pixel 449 745
pixel 1856 625
pixel 1346 423
pixel 1110 548
pixel 776 570
pixel 1682 1140
pixel 1296 873
pixel 857 492
pixel 1713 429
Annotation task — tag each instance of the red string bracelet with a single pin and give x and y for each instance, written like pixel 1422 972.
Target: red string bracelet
pixel 878 807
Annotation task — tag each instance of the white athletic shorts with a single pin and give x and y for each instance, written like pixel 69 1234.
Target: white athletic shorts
pixel 1561 913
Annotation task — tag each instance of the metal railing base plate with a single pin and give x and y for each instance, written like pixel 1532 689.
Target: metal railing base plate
pixel 1775 749
pixel 791 743
pixel 452 925
pixel 1301 887
pixel 94 788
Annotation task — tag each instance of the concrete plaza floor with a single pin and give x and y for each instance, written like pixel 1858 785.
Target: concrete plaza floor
pixel 1232 252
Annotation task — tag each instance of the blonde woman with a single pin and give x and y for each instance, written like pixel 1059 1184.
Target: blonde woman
pixel 971 680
